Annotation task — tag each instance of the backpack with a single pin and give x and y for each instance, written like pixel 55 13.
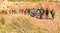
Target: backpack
pixel 41 11
pixel 53 12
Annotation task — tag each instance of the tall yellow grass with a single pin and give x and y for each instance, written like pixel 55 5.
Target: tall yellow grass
pixel 18 23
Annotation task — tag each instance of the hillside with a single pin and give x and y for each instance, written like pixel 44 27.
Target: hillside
pixel 20 23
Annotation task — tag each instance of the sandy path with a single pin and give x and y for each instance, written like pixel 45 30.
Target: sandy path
pixel 51 25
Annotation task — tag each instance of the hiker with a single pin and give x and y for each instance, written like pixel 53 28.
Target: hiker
pixel 28 11
pixel 32 12
pixel 17 11
pixel 47 13
pixel 52 13
pixel 22 11
pixel 41 12
pixel 13 11
pixel 37 13
pixel 25 11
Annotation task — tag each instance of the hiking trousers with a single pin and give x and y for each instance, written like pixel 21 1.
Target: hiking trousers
pixel 52 16
pixel 41 16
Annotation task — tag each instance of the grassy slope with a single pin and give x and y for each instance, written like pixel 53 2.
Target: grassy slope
pixel 18 24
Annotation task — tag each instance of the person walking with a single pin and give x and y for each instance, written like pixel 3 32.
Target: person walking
pixel 28 11
pixel 52 13
pixel 47 12
pixel 41 13
pixel 37 13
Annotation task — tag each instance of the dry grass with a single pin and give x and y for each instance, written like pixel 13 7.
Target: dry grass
pixel 18 23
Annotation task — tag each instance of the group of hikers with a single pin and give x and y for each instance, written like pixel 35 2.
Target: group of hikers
pixel 38 12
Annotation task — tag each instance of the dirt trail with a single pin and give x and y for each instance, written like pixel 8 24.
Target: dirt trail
pixel 51 25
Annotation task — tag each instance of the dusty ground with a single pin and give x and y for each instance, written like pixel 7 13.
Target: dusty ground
pixel 53 26
pixel 50 26
pixel 23 5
